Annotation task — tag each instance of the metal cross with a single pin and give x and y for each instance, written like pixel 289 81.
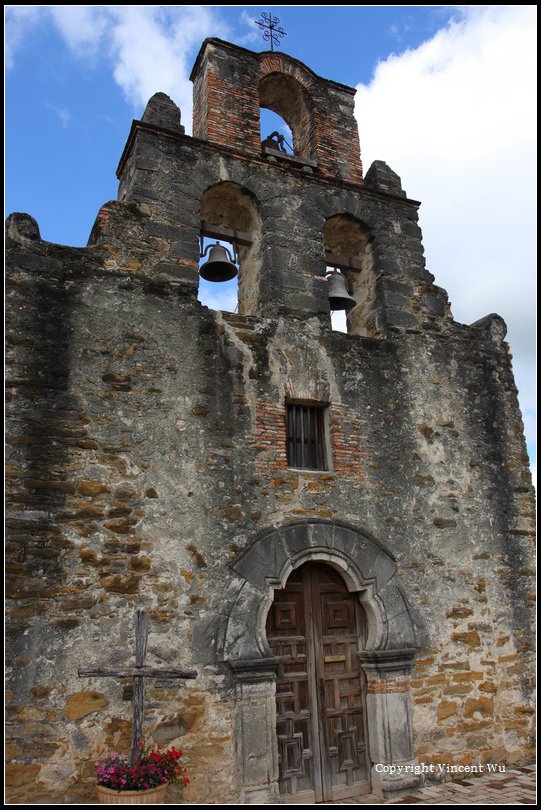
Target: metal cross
pixel 274 32
pixel 139 672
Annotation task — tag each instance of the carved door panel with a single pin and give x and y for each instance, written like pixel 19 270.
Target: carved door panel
pixel 314 625
pixel 337 617
pixel 295 727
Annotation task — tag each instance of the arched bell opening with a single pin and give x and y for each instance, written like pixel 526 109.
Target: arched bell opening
pixel 275 132
pixel 286 97
pixel 350 274
pixel 316 628
pixel 230 248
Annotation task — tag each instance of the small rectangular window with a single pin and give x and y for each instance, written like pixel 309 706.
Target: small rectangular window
pixel 306 445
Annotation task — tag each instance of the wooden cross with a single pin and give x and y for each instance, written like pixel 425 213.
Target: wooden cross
pixel 139 672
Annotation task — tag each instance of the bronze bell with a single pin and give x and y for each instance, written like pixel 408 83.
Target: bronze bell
pixel 339 297
pixel 219 265
pixel 277 145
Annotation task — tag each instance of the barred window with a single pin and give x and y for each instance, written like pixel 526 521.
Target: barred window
pixel 306 445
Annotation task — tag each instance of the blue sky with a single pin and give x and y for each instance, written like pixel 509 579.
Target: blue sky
pixel 445 95
pixel 68 116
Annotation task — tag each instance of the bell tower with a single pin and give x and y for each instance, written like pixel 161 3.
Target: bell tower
pixel 334 530
pixel 230 86
pixel 325 214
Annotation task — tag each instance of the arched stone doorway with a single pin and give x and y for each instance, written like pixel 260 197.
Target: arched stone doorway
pixel 392 635
pixel 316 628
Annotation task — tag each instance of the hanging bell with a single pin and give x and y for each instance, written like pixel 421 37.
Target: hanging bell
pixel 219 266
pixel 339 298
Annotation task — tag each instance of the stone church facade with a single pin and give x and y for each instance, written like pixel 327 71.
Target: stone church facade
pixel 335 530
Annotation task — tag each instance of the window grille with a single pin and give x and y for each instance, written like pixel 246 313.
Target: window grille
pixel 306 437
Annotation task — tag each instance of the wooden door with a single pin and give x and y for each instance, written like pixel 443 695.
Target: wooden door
pixel 315 625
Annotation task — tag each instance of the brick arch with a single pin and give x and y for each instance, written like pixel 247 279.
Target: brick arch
pixel 334 137
pixel 226 106
pixel 282 63
pixel 284 94
pixel 366 566
pixel 290 89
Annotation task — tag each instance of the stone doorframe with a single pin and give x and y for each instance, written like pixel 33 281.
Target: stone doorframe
pixel 368 569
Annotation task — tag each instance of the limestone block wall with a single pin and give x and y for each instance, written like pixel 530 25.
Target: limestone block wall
pixel 147 463
pixel 146 454
pixel 170 173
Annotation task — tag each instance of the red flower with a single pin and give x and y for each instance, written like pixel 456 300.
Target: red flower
pixel 151 769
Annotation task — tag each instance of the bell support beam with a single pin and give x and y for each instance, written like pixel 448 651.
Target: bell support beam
pixel 342 262
pixel 221 232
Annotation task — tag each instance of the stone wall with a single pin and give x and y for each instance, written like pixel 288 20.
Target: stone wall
pixel 170 173
pixel 147 469
pixel 146 453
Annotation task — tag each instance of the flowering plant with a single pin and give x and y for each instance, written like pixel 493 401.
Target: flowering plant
pixel 151 769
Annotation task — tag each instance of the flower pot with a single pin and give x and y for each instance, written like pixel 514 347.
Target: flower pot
pixel 154 795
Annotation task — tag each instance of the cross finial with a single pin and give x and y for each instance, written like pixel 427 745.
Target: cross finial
pixel 274 31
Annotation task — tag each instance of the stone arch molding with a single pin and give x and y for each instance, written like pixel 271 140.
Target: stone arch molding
pixel 366 566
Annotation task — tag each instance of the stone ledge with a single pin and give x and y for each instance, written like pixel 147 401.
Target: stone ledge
pixel 283 157
pixel 255 669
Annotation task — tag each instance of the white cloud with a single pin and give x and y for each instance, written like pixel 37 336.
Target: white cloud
pixel 149 48
pixel 82 27
pixel 222 296
pixel 18 21
pixel 252 37
pixel 339 322
pixel 456 119
pixel 63 114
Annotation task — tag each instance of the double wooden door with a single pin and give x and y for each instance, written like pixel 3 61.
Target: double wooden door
pixel 315 625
